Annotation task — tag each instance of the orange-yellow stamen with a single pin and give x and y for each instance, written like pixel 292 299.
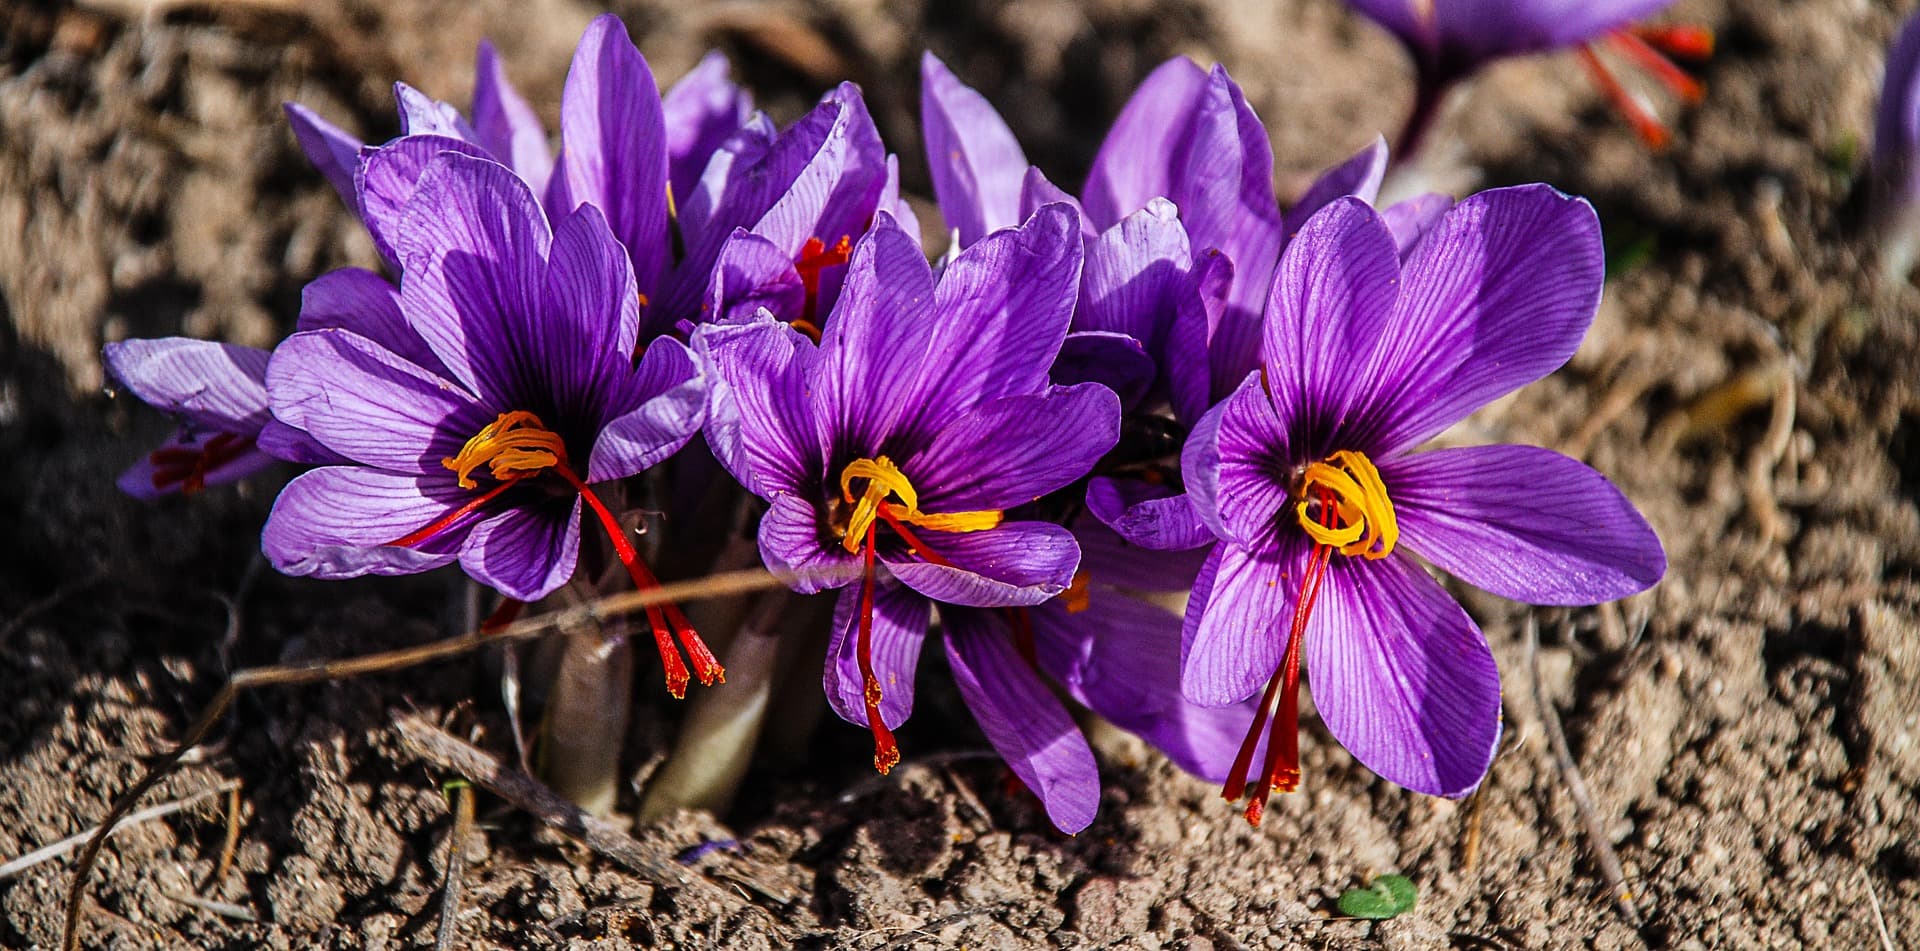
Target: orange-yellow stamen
pixel 1078 597
pixel 884 481
pixel 514 446
pixel 1366 525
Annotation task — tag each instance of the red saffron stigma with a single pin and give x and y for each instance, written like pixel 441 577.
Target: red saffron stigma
pixel 447 521
pixel 505 614
pixel 1648 48
pixel 886 752
pixel 188 468
pixel 1022 624
pixel 815 257
pixel 1683 41
pixel 1646 57
pixel 913 541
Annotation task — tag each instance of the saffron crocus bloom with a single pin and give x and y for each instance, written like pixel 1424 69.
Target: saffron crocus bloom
pixel 1896 156
pixel 479 445
pixel 218 391
pixel 890 456
pixel 1306 476
pixel 1451 40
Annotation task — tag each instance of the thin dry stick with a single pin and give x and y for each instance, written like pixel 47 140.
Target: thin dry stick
pixel 71 842
pixel 619 605
pixel 232 842
pixel 456 867
pixel 531 796
pixel 224 909
pixel 1603 853
pixel 1879 919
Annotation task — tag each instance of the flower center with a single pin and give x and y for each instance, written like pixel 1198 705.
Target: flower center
pixel 514 446
pixel 816 256
pixel 1364 524
pixel 517 446
pixel 885 481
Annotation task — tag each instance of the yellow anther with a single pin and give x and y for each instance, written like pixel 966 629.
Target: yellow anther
pixel 884 479
pixel 1365 525
pixel 514 446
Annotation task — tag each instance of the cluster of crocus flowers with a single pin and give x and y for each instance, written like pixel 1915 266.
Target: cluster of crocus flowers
pixel 1167 386
pixel 1452 40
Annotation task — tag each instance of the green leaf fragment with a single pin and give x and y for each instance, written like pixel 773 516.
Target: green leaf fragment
pixel 1386 897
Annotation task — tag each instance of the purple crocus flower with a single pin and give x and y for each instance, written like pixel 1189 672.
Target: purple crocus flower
pixel 1451 40
pixel 475 437
pixel 1895 170
pixel 892 455
pixel 1306 477
pixel 218 391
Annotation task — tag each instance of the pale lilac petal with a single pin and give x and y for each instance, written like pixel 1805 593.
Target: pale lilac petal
pixel 900 619
pixel 836 193
pixel 893 204
pixel 473 255
pixel 364 403
pixel 139 480
pixel 1121 659
pixel 674 409
pixel 361 301
pixel 1148 516
pixel 1236 634
pixel 218 386
pixel 613 144
pixel 505 125
pixel 1015 564
pixel 1410 220
pixel 759 421
pixel 1114 360
pixel 1327 317
pixel 1131 168
pixel 1036 190
pixel 1022 718
pixel 527 551
pixel 1198 308
pixel 1011 451
pixel 1402 677
pixel 752 274
pixel 797 548
pixel 1524 523
pixel 977 164
pixel 421 114
pixel 700 111
pixel 698 212
pixel 336 522
pixel 1134 271
pixel 1358 176
pixel 1236 466
pixel 1498 295
pixel 386 178
pixel 329 148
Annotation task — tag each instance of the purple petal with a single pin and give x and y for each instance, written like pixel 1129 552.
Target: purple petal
pixel 1896 128
pixel 1498 295
pixel 505 125
pixel 1236 635
pixel 891 202
pixel 900 619
pixel 1524 523
pixel 877 345
pixel 1022 718
pixel 1036 190
pixel 336 522
pixel 473 255
pixel 837 191
pixel 283 442
pixel 217 386
pixel 1017 563
pixel 364 403
pixel 1358 176
pixel 1402 677
pixel 138 479
pixel 1200 304
pixel 331 150
pixel 1237 466
pixel 581 343
pixel 1121 659
pixel 1131 168
pixel 613 140
pixel 700 111
pixel 1410 220
pixel 363 302
pixel 746 149
pixel 1113 360
pixel 752 274
pixel 759 422
pixel 1134 272
pixel 675 406
pixel 977 164
pixel 1011 451
pixel 421 114
pixel 1109 559
pixel 1480 30
pixel 793 545
pixel 1147 516
pixel 525 552
pixel 386 179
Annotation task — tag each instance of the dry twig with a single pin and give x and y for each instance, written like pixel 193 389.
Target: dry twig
pixel 1879 918
pixel 1603 853
pixel 72 842
pixel 456 867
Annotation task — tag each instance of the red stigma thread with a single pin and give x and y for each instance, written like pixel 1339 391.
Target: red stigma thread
pixel 1648 48
pixel 188 468
pixel 1280 704
pixel 886 752
pixel 815 257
